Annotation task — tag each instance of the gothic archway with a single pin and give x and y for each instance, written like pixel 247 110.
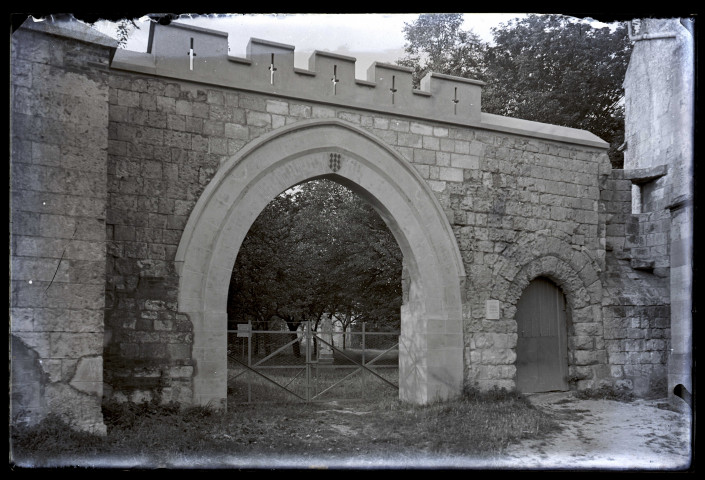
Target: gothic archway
pixel 431 343
pixel 576 280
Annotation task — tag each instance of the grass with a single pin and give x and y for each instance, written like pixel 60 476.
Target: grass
pixel 605 392
pixel 149 435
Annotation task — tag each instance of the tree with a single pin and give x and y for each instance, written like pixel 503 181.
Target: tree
pixel 125 27
pixel 261 263
pixel 559 70
pixel 435 42
pixel 314 250
pixel 546 68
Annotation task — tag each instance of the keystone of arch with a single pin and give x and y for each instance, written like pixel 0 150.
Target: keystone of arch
pixel 431 345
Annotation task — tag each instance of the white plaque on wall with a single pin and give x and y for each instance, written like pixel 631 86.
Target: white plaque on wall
pixel 244 329
pixel 492 309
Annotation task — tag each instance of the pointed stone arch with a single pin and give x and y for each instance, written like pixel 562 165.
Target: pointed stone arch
pixel 576 278
pixel 559 271
pixel 431 342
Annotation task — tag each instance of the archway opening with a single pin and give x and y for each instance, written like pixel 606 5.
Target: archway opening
pixel 314 300
pixel 431 339
pixel 542 352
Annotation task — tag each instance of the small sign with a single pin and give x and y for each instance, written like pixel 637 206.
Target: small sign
pixel 492 309
pixel 244 330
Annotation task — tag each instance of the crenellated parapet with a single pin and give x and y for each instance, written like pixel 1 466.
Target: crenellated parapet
pixel 201 55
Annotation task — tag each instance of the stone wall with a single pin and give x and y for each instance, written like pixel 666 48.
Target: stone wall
pixel 59 138
pixel 108 164
pixel 518 206
pixel 531 209
pixel 635 299
pixel 659 103
pixel 658 158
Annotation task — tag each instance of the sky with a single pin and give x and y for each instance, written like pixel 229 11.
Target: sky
pixel 367 37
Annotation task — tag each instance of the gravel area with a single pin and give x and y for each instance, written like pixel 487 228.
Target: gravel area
pixel 606 434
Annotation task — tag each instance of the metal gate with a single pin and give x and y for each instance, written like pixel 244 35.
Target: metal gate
pixel 309 365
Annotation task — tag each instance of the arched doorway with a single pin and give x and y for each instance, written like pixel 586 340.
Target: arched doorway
pixel 542 354
pixel 431 342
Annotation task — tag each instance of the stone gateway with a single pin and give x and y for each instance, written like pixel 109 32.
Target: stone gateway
pixel 136 176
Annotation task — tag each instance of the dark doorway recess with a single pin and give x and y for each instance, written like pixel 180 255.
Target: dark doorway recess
pixel 542 354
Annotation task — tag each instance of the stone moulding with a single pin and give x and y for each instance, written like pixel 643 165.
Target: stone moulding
pixel 250 148
pixel 644 175
pixel 431 367
pixel 200 55
pixel 68 27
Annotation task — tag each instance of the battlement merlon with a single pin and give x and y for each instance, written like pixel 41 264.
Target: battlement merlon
pixel 200 55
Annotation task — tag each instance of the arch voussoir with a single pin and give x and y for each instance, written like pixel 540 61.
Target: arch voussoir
pixel 431 346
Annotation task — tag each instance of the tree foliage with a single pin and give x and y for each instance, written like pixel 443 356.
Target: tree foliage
pixel 125 27
pixel 546 68
pixel 314 250
pixel 436 43
pixel 553 69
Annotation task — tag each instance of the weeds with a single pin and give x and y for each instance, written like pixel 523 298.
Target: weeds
pixel 39 445
pixel 478 423
pixel 605 392
pixel 125 415
pixel 495 394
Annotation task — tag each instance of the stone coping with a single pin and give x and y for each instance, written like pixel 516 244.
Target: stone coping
pixel 269 70
pixel 67 26
pixel 643 175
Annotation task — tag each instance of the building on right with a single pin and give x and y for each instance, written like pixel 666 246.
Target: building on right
pixel 658 149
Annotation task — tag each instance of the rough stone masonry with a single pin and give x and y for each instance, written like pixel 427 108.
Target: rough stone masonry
pixel 122 169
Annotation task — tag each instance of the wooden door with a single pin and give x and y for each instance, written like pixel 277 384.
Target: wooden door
pixel 542 354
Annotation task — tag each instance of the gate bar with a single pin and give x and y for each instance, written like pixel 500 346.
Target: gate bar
pixel 274 352
pixel 268 379
pixel 357 363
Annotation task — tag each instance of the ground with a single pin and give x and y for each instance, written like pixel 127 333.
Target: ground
pixel 562 432
pixel 606 434
pixel 597 435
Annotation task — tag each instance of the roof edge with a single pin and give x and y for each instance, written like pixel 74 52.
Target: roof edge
pixel 69 27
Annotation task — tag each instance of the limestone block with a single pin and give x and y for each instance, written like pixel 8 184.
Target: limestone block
pixel 300 110
pixel 141 396
pixel 440 131
pixel 460 160
pixel 420 128
pixel 582 342
pixel 430 143
pixel 490 373
pixel 180 392
pixel 88 377
pixel 80 410
pixel 587 329
pixel 424 157
pixel 498 356
pixel 181 371
pixel 126 98
pixel 75 345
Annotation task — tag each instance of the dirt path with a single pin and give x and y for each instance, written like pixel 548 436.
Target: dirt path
pixel 605 434
pixel 597 435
